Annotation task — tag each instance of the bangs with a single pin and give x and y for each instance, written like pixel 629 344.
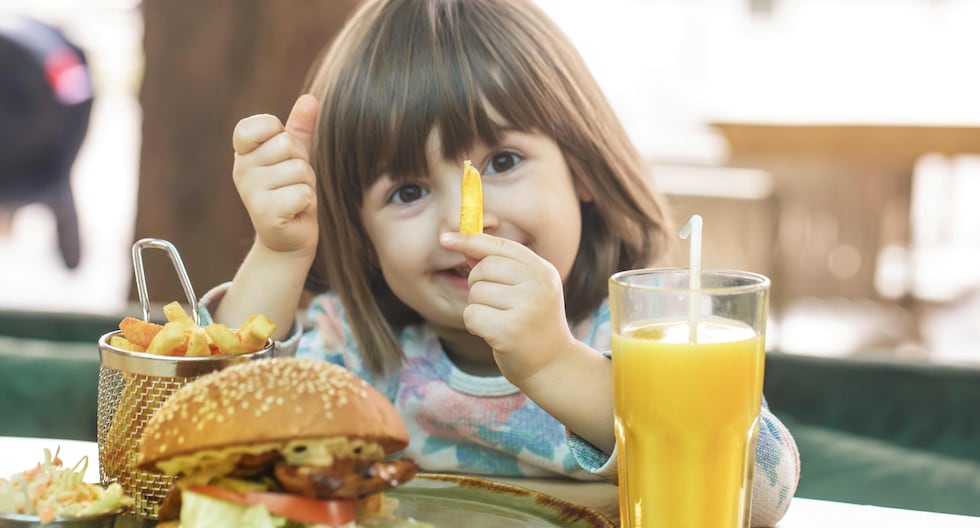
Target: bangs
pixel 450 60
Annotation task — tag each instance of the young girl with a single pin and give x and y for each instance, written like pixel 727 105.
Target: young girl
pixel 492 346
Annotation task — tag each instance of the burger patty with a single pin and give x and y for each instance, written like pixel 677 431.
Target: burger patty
pixel 347 478
pixel 252 465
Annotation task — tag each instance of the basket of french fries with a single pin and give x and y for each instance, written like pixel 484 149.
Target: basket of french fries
pixel 144 362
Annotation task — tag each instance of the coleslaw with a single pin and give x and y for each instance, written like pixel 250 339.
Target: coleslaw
pixel 52 491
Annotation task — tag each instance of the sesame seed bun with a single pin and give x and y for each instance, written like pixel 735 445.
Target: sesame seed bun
pixel 269 401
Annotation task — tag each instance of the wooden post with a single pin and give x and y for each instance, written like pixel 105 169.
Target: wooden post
pixel 209 64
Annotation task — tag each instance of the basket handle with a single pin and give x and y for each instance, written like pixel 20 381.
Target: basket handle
pixel 185 282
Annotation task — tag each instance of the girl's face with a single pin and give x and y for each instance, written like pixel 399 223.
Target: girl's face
pixel 528 197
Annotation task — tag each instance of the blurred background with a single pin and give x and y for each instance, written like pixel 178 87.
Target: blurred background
pixel 832 145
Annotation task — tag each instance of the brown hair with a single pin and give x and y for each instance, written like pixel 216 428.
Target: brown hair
pixel 402 68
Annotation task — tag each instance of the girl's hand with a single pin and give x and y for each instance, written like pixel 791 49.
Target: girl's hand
pixel 274 178
pixel 516 304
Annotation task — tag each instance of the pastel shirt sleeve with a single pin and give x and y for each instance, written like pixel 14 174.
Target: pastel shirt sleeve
pixel 777 470
pixel 331 339
pixel 593 331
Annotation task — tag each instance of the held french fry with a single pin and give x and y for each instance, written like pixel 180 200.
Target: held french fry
pixel 138 331
pixel 471 203
pixel 175 313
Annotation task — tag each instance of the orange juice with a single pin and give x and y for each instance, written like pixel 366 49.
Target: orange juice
pixel 686 422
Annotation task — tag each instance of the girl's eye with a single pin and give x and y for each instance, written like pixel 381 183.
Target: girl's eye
pixel 408 193
pixel 502 161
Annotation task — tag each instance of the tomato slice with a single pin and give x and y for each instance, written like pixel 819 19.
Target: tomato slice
pixel 334 512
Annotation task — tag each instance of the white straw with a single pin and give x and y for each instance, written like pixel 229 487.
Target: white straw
pixel 693 230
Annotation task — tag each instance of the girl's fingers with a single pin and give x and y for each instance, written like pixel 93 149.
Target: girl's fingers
pixel 491 294
pixel 302 121
pixel 481 245
pixel 502 270
pixel 276 149
pixel 290 201
pixel 253 131
pixel 478 318
pixel 493 258
pixel 265 130
pixel 289 172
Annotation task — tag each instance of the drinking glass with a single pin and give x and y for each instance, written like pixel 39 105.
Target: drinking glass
pixel 688 368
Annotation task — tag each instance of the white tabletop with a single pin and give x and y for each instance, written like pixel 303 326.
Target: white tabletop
pixel 809 513
pixel 18 454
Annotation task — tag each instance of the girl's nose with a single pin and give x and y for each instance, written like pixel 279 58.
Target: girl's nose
pixel 490 219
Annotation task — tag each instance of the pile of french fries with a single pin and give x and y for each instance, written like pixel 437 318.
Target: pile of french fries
pixel 180 336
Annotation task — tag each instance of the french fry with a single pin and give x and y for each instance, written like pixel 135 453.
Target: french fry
pixel 168 340
pixel 119 341
pixel 224 339
pixel 175 313
pixel 254 332
pixel 471 201
pixel 197 343
pixel 139 332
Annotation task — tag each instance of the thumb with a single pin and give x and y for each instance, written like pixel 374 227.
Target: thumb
pixel 302 120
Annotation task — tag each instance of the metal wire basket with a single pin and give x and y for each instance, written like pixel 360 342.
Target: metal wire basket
pixel 133 386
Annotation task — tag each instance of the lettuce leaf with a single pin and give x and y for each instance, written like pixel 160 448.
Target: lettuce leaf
pixel 201 511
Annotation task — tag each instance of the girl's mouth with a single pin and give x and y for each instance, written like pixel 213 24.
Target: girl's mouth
pixel 458 277
pixel 460 271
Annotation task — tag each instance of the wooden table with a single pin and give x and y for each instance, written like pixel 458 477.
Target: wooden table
pixel 18 454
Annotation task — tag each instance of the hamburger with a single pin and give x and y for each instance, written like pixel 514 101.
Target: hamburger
pixel 282 442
